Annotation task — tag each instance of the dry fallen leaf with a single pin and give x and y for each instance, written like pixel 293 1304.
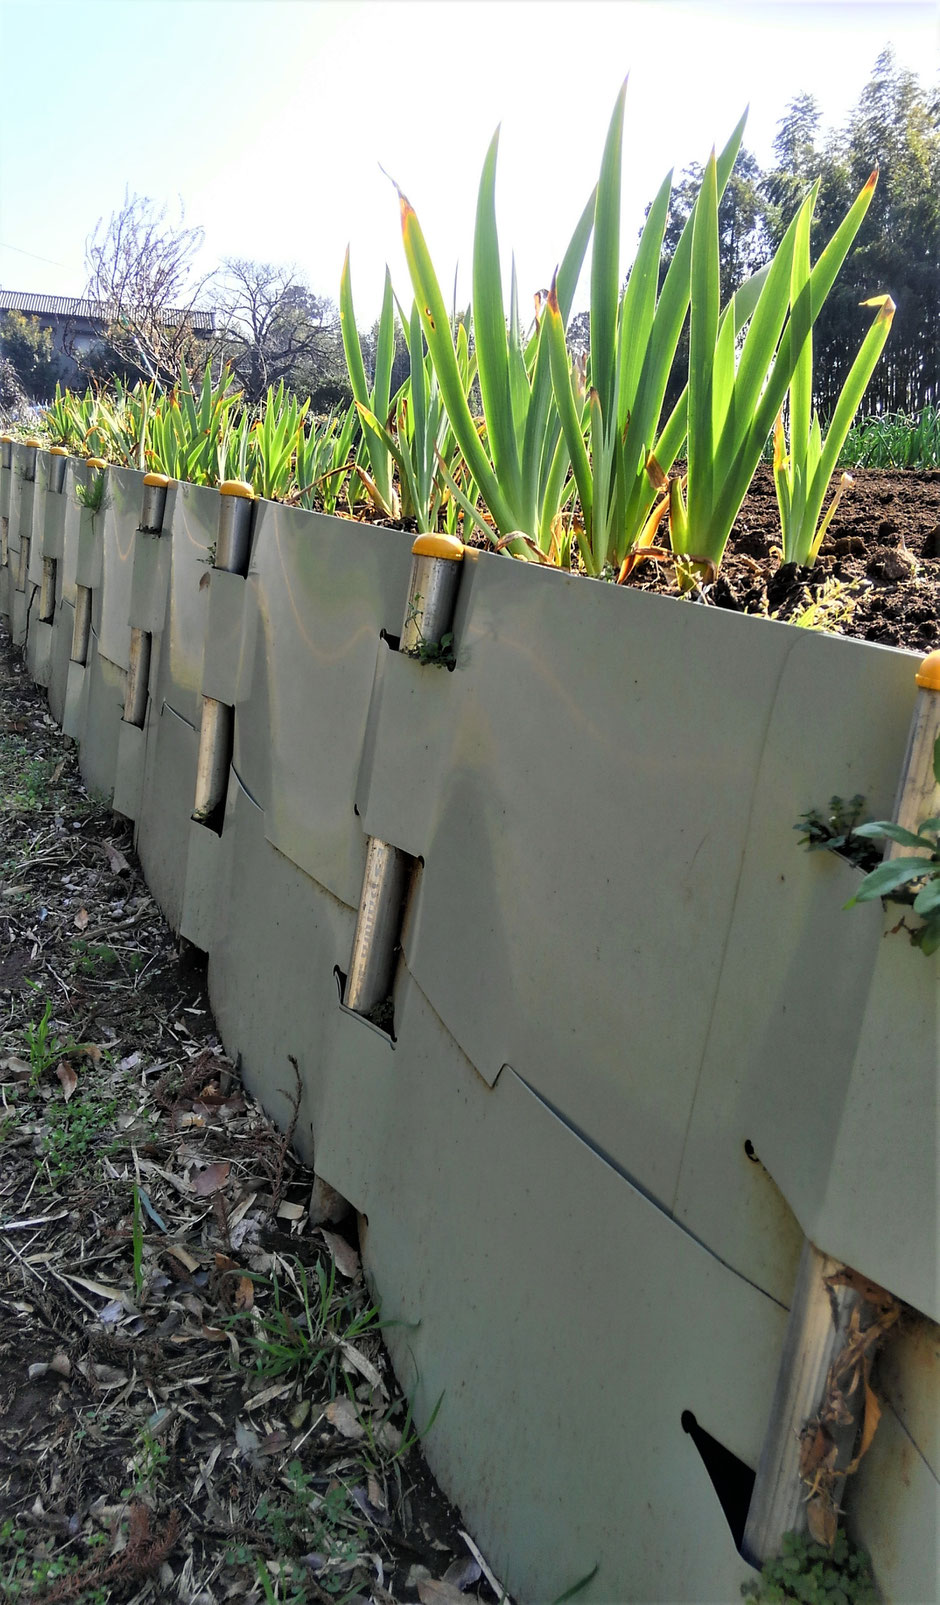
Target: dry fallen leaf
pixel 67 1077
pixel 341 1414
pixel 116 858
pixel 211 1179
pixel 81 919
pixel 344 1255
pixel 432 1591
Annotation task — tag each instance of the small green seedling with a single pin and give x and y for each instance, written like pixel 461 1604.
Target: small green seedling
pixel 914 880
pixel 810 1574
pixel 837 831
pixel 91 496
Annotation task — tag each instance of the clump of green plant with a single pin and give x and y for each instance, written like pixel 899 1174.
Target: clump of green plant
pixel 314 1527
pixel 836 831
pixel 285 1341
pixel 44 1048
pixel 72 1130
pixel 910 880
pixel 91 496
pixel 26 1575
pixel 893 440
pixel 810 1574
pixel 91 958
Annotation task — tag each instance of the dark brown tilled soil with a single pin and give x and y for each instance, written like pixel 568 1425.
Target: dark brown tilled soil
pixel 877 576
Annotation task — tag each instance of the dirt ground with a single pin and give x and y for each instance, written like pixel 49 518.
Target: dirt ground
pixel 195 1401
pixel 877 575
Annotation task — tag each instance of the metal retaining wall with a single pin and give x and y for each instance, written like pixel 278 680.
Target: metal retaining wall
pixel 616 969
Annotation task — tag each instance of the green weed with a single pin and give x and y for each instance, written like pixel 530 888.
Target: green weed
pixel 285 1341
pixel 73 1131
pixel 811 1574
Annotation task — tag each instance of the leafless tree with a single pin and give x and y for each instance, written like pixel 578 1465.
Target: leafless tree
pixel 140 267
pixel 272 327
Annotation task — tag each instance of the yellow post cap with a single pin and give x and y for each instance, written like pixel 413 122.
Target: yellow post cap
pixel 32 441
pixel 156 479
pixel 95 462
pixel 58 451
pixel 236 487
pixel 928 675
pixel 6 438
pixel 438 546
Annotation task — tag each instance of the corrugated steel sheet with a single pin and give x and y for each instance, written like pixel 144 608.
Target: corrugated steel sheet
pixel 67 306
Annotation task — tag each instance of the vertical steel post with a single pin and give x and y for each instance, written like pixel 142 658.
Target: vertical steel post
pixel 55 472
pixel 216 736
pixel 6 451
pixel 154 503
pixel 819 1313
pixel 432 593
pixel 81 628
pixel 233 545
pixel 47 591
pixel 138 677
pixel 378 927
pixel 32 452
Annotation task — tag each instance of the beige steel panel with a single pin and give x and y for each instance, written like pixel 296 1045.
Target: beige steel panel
pixel 321 589
pixel 61 648
pixel 190 523
pixel 224 636
pixel 129 770
pixel 54 520
pixel 121 515
pixel 73 513
pixel 40 498
pixel 166 803
pixel 795 986
pixel 103 703
pixel 567 1321
pixel 205 856
pixel 6 589
pixel 76 701
pixel 39 646
pixel 582 790
pixel 276 940
pixel 881 1207
pixel 89 551
pixel 6 479
pixel 150 582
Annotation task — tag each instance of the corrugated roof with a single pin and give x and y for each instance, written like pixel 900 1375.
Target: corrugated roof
pixel 67 306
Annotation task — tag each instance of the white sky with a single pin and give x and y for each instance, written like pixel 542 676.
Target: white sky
pixel 270 117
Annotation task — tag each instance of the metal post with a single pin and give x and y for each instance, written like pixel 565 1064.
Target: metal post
pixel 32 452
pixel 233 545
pixel 4 541
pixel 6 451
pixel 24 563
pixel 55 481
pixel 154 503
pixel 216 735
pixel 820 1314
pixel 138 677
pixel 432 594
pixel 378 927
pixel 47 591
pixel 81 628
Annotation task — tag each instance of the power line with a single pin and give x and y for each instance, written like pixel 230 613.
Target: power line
pixel 21 252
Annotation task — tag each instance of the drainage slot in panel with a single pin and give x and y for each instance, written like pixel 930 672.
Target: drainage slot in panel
pixel 381 1020
pixel 4 542
pixel 47 591
pixel 732 1480
pixel 216 746
pixel 393 642
pixel 138 678
pixel 24 564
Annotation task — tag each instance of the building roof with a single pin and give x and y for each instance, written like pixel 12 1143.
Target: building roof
pixel 68 306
